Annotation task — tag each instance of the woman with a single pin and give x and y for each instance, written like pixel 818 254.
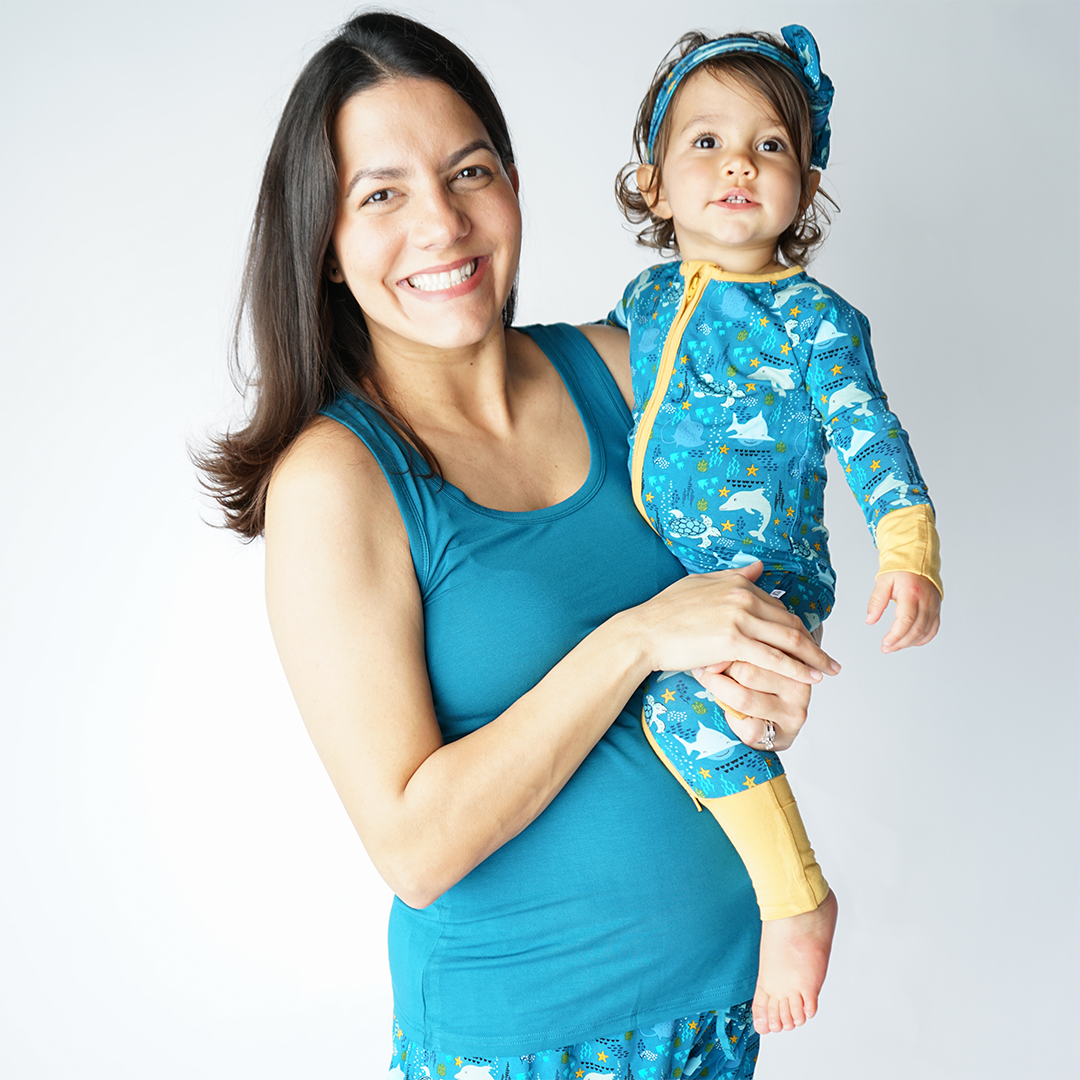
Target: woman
pixel 465 601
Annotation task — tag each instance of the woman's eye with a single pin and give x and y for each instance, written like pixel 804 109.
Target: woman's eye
pixel 380 196
pixel 705 142
pixel 472 172
pixel 771 146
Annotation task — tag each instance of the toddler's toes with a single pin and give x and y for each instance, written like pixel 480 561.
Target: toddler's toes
pixel 776 1023
pixel 760 1009
pixel 795 1006
pixel 786 1021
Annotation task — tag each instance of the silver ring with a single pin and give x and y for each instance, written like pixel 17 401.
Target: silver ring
pixel 767 738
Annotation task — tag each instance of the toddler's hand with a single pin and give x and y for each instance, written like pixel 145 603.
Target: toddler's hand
pixel 918 609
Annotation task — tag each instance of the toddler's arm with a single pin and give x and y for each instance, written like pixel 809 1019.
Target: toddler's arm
pixel 884 477
pixel 910 575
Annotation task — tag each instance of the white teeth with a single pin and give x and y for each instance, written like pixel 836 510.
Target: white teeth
pixel 735 199
pixel 445 280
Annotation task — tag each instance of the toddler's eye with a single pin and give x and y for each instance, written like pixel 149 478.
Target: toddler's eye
pixel 771 146
pixel 705 142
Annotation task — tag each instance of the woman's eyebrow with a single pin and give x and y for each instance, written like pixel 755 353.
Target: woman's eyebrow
pixel 465 151
pixel 380 172
pixel 386 172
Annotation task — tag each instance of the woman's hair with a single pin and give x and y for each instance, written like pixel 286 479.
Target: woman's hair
pixel 784 93
pixel 308 334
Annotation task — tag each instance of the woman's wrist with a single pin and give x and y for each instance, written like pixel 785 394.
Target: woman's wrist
pixel 631 646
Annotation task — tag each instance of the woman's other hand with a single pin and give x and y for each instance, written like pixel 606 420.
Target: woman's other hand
pixel 714 620
pixel 772 661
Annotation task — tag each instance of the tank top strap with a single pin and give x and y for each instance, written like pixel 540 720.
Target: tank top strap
pixel 402 466
pixel 586 376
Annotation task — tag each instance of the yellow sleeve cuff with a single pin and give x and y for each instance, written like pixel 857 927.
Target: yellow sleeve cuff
pixel 907 539
pixel 766 829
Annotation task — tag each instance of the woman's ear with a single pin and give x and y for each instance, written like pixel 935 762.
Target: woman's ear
pixel 515 180
pixel 652 192
pixel 332 269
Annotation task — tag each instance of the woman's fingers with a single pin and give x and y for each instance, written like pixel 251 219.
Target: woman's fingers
pixel 782 648
pixel 722 617
pixel 763 695
pixel 760 734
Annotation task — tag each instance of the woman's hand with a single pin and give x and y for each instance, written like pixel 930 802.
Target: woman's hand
pixel 712 621
pixel 774 661
pixel 776 700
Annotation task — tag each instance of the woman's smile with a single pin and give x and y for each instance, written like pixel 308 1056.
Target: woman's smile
pixel 445 280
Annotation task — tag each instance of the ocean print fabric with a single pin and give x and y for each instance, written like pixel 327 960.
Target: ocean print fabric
pixel 707 1046
pixel 691 729
pixel 741 410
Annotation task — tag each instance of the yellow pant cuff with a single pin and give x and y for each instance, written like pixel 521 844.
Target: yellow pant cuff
pixel 766 829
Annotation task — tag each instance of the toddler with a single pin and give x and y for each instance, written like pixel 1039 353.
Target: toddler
pixel 746 371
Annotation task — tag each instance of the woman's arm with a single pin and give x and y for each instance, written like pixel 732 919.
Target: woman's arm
pixel 347 618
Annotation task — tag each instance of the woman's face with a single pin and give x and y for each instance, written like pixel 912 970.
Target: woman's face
pixel 429 230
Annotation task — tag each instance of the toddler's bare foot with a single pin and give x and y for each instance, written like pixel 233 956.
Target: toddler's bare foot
pixel 794 959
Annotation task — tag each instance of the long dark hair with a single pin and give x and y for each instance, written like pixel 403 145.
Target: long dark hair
pixel 308 334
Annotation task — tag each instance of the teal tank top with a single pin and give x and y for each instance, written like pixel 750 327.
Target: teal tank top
pixel 621 906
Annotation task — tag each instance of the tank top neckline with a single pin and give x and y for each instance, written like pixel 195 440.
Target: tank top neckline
pixel 576 345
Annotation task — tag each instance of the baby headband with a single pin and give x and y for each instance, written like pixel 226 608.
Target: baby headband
pixel 818 85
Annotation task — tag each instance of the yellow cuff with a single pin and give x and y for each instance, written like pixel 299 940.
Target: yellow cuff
pixel 766 829
pixel 907 539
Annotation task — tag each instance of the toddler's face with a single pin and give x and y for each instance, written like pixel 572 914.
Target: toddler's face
pixel 730 178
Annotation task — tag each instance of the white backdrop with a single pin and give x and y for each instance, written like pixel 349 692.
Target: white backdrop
pixel 181 894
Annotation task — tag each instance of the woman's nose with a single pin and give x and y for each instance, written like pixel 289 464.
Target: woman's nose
pixel 439 221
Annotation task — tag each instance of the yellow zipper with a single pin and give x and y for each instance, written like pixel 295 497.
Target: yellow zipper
pixel 689 302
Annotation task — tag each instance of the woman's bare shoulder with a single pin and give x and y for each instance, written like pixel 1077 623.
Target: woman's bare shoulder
pixel 326 460
pixel 328 488
pixel 613 345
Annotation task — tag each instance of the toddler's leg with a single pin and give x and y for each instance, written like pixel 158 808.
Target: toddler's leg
pixel 748 794
pixel 743 788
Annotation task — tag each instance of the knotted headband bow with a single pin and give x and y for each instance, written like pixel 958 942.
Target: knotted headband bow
pixel 818 85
